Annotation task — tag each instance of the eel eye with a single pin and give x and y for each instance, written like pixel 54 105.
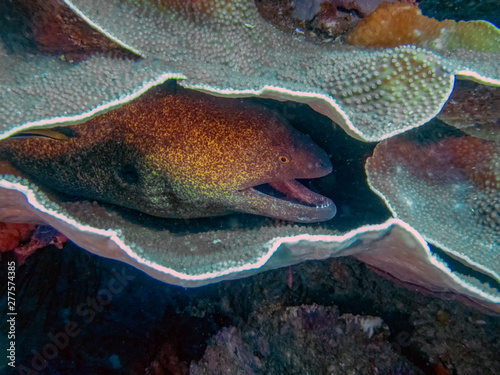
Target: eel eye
pixel 284 159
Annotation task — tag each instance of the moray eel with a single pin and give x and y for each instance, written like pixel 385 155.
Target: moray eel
pixel 180 155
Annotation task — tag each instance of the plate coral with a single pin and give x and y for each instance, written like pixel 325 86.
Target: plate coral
pixel 374 92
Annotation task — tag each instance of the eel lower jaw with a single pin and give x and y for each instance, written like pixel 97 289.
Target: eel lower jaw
pixel 297 203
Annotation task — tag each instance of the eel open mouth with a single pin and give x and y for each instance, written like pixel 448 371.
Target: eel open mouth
pixel 288 200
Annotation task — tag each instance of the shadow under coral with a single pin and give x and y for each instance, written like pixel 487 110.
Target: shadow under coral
pixel 127 322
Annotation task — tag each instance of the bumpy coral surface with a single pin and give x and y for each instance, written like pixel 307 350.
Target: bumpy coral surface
pixel 445 184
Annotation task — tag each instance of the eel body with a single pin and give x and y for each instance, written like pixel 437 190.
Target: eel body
pixel 180 155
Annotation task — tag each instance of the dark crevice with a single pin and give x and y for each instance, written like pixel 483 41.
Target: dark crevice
pixel 459 268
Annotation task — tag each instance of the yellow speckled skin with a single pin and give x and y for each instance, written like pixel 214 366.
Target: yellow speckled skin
pixel 175 155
